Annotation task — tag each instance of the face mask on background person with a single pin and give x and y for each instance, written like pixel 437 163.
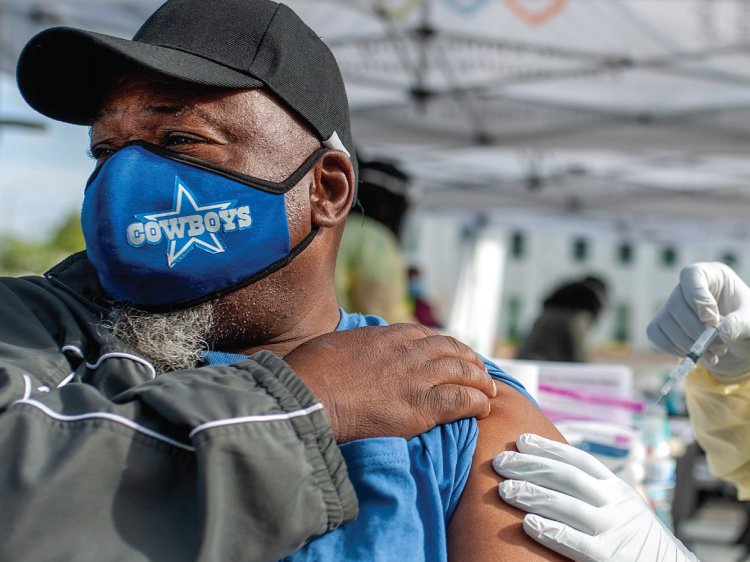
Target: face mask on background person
pixel 416 290
pixel 164 230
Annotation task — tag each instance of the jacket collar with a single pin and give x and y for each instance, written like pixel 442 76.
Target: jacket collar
pixel 76 276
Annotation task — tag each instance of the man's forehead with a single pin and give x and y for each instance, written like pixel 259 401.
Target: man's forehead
pixel 170 97
pixel 150 94
pixel 121 109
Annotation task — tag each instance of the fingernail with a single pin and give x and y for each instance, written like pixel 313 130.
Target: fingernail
pixel 504 463
pixel 532 521
pixel 498 461
pixel 507 489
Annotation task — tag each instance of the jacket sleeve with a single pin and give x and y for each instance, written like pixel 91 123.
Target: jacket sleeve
pixel 720 418
pixel 218 463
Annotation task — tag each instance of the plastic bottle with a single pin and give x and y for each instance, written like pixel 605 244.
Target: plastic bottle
pixel 660 467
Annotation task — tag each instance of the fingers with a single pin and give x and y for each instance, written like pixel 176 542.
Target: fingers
pixel 711 359
pixel 705 292
pixel 690 307
pixel 452 370
pixel 553 475
pixel 701 284
pixel 734 326
pixel 658 336
pixel 681 321
pixel 562 539
pixel 541 446
pixel 410 331
pixel 553 504
pixel 676 325
pixel 436 346
pixel 450 402
pixel 422 343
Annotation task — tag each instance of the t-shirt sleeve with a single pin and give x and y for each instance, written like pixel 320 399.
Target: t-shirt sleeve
pixel 449 449
pixel 499 375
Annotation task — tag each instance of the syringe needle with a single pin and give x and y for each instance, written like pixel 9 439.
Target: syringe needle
pixel 687 363
pixel 666 388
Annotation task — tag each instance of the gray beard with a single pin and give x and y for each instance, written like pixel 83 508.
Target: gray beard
pixel 169 340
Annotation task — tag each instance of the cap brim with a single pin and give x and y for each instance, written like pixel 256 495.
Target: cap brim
pixel 64 73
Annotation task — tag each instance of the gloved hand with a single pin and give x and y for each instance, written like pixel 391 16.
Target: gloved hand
pixel 579 509
pixel 709 294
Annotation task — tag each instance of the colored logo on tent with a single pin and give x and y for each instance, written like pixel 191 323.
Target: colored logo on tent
pixel 188 225
pixel 466 6
pixel 398 10
pixel 536 12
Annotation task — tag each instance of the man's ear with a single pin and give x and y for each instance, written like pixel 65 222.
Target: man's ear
pixel 332 191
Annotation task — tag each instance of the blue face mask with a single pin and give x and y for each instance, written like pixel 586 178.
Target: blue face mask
pixel 164 230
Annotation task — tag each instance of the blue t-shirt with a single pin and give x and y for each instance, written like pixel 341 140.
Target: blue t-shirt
pixel 407 489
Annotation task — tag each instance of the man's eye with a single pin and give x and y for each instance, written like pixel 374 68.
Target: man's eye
pixel 178 140
pixel 100 152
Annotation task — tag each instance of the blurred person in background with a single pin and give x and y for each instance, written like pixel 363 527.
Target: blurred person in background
pixel 370 270
pixel 422 309
pixel 561 331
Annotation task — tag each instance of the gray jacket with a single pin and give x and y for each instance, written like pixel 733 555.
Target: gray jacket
pixel 101 460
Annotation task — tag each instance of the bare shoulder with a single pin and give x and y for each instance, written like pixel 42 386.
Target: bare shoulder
pixel 483 526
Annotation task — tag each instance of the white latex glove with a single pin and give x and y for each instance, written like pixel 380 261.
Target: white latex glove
pixel 579 509
pixel 709 294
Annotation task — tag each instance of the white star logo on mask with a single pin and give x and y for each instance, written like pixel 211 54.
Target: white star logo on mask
pixel 205 240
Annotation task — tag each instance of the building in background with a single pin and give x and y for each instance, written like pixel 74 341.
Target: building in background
pixel 639 262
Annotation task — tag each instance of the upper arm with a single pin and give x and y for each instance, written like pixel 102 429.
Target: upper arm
pixel 483 526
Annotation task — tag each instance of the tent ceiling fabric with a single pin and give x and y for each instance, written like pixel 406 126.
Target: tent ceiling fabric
pixel 620 106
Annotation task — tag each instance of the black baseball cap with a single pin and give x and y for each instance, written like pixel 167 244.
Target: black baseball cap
pixel 64 73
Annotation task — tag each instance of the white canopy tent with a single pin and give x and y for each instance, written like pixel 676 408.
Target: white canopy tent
pixel 618 106
pixel 621 106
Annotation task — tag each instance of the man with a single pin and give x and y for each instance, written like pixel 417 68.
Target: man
pixel 221 189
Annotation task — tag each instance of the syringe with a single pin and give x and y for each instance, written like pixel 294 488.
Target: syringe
pixel 687 363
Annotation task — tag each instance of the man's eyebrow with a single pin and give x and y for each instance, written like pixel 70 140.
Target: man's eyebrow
pixel 179 109
pixel 168 109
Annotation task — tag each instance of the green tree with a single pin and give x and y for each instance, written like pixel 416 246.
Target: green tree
pixel 19 257
pixel 68 236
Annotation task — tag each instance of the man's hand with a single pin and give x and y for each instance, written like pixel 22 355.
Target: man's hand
pixel 398 380
pixel 579 509
pixel 709 294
